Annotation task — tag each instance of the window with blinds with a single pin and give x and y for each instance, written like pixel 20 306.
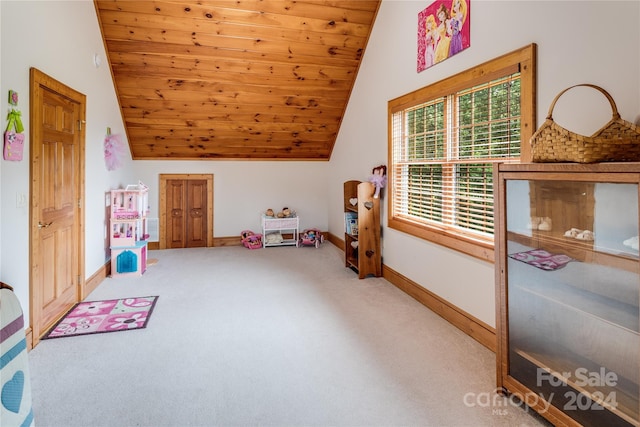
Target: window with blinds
pixel 444 141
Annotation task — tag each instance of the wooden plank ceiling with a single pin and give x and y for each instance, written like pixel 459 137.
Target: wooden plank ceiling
pixel 243 79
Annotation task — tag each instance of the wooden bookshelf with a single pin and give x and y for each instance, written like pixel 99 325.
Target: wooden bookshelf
pixel 362 251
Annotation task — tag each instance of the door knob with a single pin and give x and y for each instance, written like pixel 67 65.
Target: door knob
pixel 41 225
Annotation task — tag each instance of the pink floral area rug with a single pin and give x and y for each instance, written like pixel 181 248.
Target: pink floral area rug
pixel 542 259
pixel 95 317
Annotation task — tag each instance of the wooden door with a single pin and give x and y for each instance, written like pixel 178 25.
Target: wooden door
pixel 187 213
pixel 196 225
pixel 186 210
pixel 176 206
pixel 57 167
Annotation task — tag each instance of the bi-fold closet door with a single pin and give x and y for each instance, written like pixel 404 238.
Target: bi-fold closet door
pixel 186 213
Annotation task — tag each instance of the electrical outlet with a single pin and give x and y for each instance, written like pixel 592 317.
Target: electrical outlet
pixel 21 200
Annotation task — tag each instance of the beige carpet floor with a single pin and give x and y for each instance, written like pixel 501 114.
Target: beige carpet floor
pixel 281 336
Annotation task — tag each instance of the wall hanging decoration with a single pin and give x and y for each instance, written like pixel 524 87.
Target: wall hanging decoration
pixel 443 31
pixel 13 98
pixel 13 136
pixel 113 150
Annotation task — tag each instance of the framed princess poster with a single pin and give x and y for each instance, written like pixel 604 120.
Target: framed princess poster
pixel 443 31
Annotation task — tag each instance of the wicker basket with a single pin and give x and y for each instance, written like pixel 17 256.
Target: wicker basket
pixel 617 141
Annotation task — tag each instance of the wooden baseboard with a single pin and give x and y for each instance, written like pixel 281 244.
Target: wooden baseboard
pixel 339 242
pixel 472 326
pixel 227 241
pixel 29 337
pixel 92 282
pixel 475 328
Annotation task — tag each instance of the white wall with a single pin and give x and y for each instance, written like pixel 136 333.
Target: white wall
pixel 60 38
pixel 244 190
pixel 575 45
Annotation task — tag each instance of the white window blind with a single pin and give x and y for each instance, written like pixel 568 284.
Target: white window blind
pixel 443 152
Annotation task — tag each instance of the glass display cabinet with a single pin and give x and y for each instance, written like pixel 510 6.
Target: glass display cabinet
pixel 568 289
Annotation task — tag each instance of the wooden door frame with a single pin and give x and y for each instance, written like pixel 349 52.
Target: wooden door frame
pixel 162 197
pixel 38 80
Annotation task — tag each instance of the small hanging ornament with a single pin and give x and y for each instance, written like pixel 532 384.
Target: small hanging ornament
pixel 13 98
pixel 13 136
pixel 113 150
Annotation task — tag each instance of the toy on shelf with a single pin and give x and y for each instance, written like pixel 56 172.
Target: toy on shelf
pixel 284 213
pixel 310 237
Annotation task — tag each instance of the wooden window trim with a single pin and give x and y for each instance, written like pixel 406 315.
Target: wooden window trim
pixel 524 60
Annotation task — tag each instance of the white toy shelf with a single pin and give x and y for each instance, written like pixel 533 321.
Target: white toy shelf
pixel 280 231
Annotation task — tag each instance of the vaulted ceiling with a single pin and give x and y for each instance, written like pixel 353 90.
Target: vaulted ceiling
pixel 243 79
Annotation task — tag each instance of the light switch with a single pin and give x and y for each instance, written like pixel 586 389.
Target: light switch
pixel 21 200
